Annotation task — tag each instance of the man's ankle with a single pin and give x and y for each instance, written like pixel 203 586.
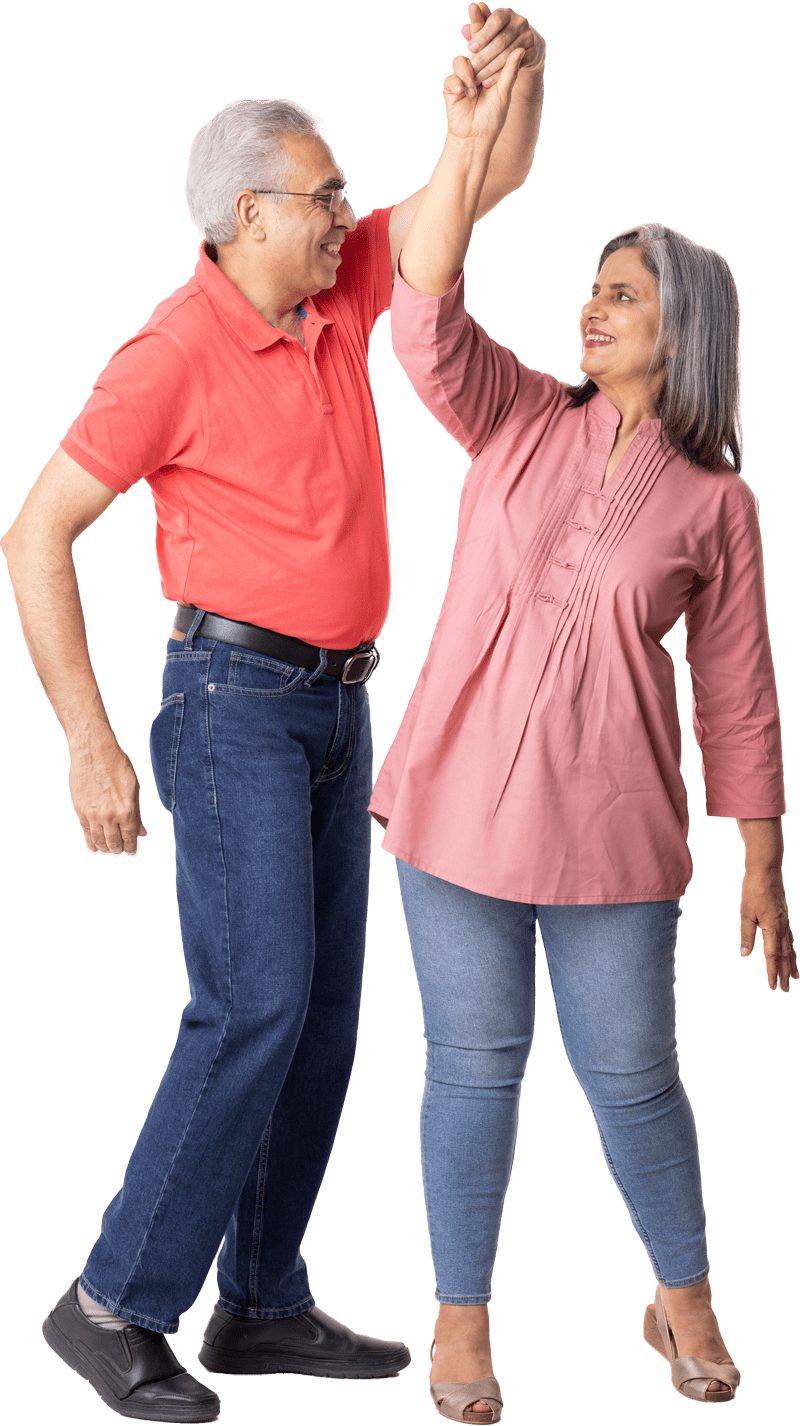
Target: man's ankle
pixel 98 1315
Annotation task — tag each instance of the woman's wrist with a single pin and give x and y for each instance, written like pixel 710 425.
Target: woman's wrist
pixel 763 843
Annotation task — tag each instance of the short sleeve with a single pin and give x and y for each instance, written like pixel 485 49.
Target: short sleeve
pixel 144 413
pixel 735 699
pixel 364 280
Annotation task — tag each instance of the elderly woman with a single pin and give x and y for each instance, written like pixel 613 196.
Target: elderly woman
pixel 535 778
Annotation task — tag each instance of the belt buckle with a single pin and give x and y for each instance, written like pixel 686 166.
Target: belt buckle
pixel 371 655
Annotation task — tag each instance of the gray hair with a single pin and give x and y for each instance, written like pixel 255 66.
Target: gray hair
pixel 240 148
pixel 697 342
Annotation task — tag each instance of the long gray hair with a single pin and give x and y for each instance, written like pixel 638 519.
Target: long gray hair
pixel 697 342
pixel 240 148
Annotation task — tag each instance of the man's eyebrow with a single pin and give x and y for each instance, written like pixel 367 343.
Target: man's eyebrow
pixel 329 185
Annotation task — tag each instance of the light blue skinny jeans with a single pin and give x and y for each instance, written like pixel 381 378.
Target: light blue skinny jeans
pixel 612 970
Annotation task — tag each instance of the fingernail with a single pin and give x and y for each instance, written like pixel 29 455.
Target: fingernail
pixel 474 46
pixel 743 951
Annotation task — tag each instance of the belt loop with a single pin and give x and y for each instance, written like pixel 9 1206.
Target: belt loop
pixel 198 619
pixel 320 668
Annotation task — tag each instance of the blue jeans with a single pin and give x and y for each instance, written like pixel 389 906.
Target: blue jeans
pixel 267 771
pixel 612 972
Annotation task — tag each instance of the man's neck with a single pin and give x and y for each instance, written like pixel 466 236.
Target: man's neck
pixel 276 303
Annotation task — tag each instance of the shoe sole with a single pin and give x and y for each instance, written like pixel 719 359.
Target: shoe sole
pixel 216 1359
pixel 63 1348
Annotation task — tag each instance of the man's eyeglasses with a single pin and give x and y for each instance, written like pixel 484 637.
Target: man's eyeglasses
pixel 332 201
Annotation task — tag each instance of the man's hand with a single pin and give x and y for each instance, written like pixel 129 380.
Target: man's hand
pixel 474 113
pixel 105 795
pixel 493 35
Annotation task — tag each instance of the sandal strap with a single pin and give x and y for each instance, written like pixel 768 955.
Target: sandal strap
pixel 698 1369
pixel 456 1396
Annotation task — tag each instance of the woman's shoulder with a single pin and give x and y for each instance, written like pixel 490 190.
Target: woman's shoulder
pixel 722 487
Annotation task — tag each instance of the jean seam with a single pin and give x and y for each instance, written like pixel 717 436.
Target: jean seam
pixel 159 1325
pixel 628 1201
pixel 267 1314
pixel 343 760
pixel 177 724
pixel 258 1215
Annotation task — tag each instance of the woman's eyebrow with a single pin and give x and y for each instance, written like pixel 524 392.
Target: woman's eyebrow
pixel 617 287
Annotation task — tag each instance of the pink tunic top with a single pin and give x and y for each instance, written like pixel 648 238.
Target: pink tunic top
pixel 539 757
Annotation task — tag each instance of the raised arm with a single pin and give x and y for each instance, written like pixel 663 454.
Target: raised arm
pixel 494 36
pixel 438 238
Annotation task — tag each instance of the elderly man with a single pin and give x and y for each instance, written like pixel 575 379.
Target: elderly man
pixel 245 404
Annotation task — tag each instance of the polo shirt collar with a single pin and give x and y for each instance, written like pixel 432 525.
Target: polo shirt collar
pixel 248 324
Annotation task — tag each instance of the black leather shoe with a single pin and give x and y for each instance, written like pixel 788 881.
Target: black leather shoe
pixel 311 1344
pixel 133 1370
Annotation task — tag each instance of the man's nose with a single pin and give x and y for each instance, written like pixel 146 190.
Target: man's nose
pixel 346 218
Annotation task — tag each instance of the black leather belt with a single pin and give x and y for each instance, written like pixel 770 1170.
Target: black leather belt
pixel 349 665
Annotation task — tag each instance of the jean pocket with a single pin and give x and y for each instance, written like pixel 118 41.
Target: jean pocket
pixel 165 736
pixel 259 676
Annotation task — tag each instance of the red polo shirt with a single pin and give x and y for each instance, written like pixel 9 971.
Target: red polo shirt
pixel 264 459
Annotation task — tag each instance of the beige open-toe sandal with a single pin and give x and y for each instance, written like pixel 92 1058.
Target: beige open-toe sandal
pixel 691 1376
pixel 453 1399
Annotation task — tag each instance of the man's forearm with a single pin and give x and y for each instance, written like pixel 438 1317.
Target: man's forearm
pixel 513 152
pixel 46 588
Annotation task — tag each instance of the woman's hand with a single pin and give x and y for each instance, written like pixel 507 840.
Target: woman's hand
pixel 492 35
pixel 764 899
pixel 474 113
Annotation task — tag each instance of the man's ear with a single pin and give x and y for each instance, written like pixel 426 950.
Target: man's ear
pixel 250 215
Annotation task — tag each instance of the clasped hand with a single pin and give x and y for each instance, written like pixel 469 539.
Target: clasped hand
pixel 478 92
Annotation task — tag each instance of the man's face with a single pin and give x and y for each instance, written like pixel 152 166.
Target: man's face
pixel 303 236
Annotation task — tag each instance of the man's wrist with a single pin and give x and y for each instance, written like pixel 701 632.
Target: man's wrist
pixel 88 731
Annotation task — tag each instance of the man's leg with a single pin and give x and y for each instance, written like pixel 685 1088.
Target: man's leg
pixel 261 1271
pixel 238 742
pixel 259 1326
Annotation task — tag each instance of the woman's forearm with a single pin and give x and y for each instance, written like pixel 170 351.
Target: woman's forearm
pixel 437 241
pixel 763 842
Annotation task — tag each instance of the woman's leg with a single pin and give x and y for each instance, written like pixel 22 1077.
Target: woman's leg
pixel 612 970
pixel 613 973
pixel 474 957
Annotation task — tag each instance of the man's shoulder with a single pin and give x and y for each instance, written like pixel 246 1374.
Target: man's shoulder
pixel 182 312
pixel 181 334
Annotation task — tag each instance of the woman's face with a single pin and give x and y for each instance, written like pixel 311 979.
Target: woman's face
pixel 619 325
